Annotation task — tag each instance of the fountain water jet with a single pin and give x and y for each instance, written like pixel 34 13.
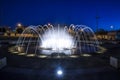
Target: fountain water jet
pixel 57 40
pixel 48 40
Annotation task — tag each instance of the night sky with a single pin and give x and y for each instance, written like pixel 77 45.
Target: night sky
pixel 35 12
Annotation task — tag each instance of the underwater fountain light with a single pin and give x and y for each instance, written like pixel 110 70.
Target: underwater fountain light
pixel 59 72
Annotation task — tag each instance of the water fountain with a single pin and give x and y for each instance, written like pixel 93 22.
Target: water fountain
pixel 57 41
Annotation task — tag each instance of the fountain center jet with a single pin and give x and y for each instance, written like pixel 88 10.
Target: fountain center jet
pixel 57 40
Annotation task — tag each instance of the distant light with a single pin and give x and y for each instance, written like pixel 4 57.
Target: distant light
pixel 86 55
pixel 15 52
pixel 82 30
pixel 74 56
pixel 49 24
pixel 59 72
pixel 65 26
pixel 19 24
pixel 42 56
pixel 73 26
pixel 111 27
pixel 22 54
pixel 30 55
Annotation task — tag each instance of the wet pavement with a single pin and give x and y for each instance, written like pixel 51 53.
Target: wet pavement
pixel 95 67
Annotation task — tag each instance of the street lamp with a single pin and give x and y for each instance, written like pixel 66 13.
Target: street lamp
pixel 49 24
pixel 19 24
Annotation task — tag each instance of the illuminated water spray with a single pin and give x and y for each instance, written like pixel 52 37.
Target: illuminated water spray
pixel 58 40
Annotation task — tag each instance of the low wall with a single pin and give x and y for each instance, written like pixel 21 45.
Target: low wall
pixel 115 62
pixel 3 62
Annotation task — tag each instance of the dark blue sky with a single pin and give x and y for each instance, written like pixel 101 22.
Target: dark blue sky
pixel 34 12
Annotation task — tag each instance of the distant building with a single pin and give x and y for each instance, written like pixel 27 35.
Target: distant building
pixel 110 35
pixel 114 35
pixel 118 35
pixel 2 30
pixel 5 29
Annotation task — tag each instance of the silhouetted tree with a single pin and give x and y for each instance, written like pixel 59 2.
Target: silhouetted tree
pixel 19 29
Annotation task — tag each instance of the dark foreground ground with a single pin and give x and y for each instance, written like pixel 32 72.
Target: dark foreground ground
pixel 95 67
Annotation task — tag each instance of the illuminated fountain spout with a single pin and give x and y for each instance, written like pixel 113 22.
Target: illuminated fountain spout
pixel 57 40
